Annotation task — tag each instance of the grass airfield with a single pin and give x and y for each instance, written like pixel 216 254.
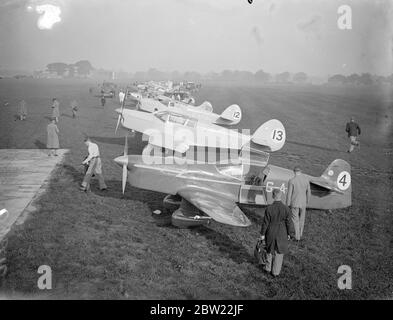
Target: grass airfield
pixel 109 246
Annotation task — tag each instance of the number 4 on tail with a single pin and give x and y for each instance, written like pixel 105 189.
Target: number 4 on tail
pixel 344 180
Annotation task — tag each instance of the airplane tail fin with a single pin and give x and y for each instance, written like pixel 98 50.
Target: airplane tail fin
pixel 231 115
pixel 333 187
pixel 271 134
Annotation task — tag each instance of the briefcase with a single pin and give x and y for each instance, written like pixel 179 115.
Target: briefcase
pixel 260 252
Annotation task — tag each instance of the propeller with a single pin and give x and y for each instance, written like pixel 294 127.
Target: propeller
pixel 121 114
pixel 125 170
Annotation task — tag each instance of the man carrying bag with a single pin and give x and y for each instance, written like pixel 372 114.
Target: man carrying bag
pixel 277 227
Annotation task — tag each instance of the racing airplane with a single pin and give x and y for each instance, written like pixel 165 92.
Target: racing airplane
pixel 179 132
pixel 204 112
pixel 199 193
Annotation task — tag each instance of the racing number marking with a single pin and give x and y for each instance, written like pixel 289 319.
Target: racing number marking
pixel 344 180
pixel 236 115
pixel 278 135
pixel 270 186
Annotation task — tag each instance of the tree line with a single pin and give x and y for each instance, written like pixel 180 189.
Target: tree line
pixel 362 79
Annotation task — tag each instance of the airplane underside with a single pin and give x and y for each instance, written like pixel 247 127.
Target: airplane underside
pixel 184 213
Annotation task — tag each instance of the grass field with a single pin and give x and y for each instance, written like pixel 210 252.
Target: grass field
pixel 106 245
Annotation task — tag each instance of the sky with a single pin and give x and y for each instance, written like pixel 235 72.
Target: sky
pixel 199 35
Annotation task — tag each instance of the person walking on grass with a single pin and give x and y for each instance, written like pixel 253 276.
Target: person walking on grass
pixel 276 230
pixel 55 109
pixel 353 130
pixel 122 96
pixel 22 110
pixel 93 160
pixel 297 199
pixel 74 108
pixel 103 100
pixel 52 142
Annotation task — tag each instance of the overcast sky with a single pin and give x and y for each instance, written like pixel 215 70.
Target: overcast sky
pixel 201 35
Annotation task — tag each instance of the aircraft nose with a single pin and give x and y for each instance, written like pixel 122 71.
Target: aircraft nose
pixel 122 160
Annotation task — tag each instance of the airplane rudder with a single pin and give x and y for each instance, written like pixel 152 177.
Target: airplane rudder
pixel 339 172
pixel 271 133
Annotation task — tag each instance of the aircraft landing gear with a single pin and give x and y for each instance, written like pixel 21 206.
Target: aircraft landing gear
pixel 187 215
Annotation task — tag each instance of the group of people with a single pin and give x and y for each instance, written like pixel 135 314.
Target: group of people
pixel 283 222
pixel 52 130
pixel 92 162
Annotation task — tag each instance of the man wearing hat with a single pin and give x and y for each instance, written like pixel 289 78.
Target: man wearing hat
pixel 353 130
pixel 297 199
pixel 276 229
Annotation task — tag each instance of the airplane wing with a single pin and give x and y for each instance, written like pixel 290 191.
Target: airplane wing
pixel 216 205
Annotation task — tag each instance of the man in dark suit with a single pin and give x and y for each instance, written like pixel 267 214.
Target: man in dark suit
pixel 353 130
pixel 276 230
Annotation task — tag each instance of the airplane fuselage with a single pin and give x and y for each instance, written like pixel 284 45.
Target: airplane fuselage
pixel 232 181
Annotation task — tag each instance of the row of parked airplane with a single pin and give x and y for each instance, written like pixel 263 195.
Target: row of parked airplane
pixel 201 190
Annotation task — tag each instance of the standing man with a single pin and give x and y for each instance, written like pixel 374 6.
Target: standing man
pixel 52 142
pixel 55 109
pixel 121 96
pixel 276 230
pixel 23 110
pixel 94 162
pixel 74 108
pixel 103 100
pixel 353 130
pixel 297 199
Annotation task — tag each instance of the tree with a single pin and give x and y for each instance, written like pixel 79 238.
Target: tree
pixel 300 77
pixel 337 79
pixel 262 76
pixel 57 67
pixel 84 67
pixel 227 75
pixel 192 76
pixel 366 79
pixel 283 77
pixel 353 78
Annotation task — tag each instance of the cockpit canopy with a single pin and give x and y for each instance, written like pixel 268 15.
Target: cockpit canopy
pixel 250 169
pixel 175 118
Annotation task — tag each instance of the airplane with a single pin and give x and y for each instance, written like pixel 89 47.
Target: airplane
pixel 179 132
pixel 204 112
pixel 200 193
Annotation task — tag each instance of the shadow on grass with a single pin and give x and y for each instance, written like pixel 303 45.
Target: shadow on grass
pixel 225 244
pixel 66 115
pixel 39 144
pixel 312 146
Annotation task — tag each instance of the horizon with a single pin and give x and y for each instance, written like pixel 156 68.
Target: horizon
pixel 202 36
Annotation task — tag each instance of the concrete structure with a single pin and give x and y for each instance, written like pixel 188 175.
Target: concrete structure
pixel 22 173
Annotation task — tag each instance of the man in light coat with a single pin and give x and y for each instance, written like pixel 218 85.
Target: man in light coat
pixel 297 199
